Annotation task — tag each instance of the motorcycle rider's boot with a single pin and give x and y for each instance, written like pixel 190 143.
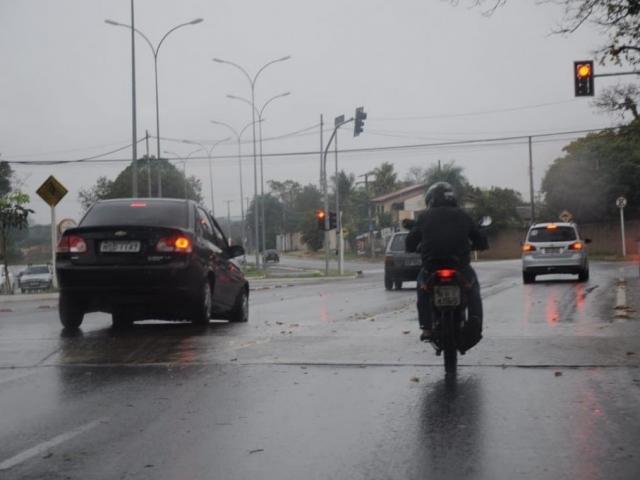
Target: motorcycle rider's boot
pixel 426 335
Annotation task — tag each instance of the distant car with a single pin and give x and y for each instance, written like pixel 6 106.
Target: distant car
pixel 153 258
pixel 36 278
pixel 554 248
pixel 399 265
pixel 271 256
pixel 3 281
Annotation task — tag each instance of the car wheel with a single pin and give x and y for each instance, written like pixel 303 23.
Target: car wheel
pixel 528 277
pixel 388 282
pixel 202 312
pixel 71 311
pixel 583 276
pixel 121 321
pixel 398 284
pixel 240 312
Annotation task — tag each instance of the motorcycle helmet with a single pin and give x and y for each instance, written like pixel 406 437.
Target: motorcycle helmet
pixel 440 194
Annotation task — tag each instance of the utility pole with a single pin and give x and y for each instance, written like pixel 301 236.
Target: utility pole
pixel 366 187
pixel 337 122
pixel 146 135
pixel 229 221
pixel 533 208
pixel 323 182
pixel 134 133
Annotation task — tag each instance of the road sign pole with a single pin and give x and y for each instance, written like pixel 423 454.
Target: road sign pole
pixel 54 244
pixel 624 247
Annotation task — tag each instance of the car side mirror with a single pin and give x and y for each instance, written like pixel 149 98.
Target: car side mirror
pixel 485 221
pixel 235 251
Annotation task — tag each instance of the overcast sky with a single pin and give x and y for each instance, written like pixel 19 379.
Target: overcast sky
pixel 425 71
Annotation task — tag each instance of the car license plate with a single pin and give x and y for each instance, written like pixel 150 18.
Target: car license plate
pixel 446 296
pixel 120 246
pixel 551 250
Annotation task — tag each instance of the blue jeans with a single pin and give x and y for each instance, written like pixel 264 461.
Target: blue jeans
pixel 474 303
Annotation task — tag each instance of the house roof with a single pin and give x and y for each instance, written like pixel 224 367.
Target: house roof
pixel 405 192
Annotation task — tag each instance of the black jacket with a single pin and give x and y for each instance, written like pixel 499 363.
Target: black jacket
pixel 443 233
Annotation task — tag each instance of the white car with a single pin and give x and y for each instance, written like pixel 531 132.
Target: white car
pixel 36 277
pixel 554 248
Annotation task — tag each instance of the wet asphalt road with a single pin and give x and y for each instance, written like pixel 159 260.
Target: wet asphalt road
pixel 328 381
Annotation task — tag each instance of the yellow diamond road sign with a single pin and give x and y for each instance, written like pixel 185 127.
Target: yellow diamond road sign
pixel 566 216
pixel 51 191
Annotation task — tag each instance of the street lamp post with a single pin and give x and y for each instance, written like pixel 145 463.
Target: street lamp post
pixel 238 136
pixel 209 151
pixel 260 112
pixel 252 83
pixel 184 166
pixel 155 51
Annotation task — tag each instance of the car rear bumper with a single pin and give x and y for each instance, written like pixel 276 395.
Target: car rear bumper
pixel 573 264
pixel 164 292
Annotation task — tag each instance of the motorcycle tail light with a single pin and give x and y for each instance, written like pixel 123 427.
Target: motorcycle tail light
pixel 176 243
pixel 446 273
pixel 527 247
pixel 71 244
pixel 576 246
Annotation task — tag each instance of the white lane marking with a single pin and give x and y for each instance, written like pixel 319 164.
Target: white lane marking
pixel 44 446
pixel 16 377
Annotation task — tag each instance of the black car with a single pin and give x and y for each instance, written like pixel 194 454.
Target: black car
pixel 399 265
pixel 152 258
pixel 271 256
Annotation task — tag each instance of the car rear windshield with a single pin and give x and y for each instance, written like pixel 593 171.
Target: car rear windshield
pixel 157 214
pixel 398 243
pixel 557 234
pixel 41 269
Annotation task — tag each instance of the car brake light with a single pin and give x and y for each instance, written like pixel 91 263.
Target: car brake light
pixel 552 226
pixel 445 273
pixel 71 244
pixel 178 244
pixel 527 247
pixel 576 246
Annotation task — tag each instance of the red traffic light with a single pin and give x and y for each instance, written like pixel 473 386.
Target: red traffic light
pixel 320 215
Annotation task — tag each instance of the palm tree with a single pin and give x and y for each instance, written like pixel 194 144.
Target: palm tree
pixel 386 179
pixel 450 173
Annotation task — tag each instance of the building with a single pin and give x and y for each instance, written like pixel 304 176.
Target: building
pixel 404 203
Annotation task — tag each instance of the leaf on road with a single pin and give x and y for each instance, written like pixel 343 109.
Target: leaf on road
pixel 558 374
pixel 406 332
pixel 631 353
pixel 415 379
pixel 508 358
pixel 257 450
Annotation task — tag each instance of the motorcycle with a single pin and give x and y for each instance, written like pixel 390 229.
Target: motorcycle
pixel 448 290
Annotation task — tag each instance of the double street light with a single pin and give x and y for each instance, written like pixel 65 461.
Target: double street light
pixel 252 83
pixel 155 50
pixel 209 151
pixel 260 112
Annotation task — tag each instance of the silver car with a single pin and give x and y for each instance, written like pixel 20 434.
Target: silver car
pixel 554 248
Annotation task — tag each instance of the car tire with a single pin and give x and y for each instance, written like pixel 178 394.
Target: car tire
pixel 398 284
pixel 240 312
pixel 202 311
pixel 583 276
pixel 121 321
pixel 71 311
pixel 388 282
pixel 528 277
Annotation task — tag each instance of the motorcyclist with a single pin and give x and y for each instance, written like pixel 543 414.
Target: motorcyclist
pixel 445 232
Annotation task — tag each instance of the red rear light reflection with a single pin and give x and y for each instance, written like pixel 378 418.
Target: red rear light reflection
pixel 176 243
pixel 446 273
pixel 138 205
pixel 71 244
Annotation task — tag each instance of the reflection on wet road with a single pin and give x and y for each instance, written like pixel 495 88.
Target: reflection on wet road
pixel 329 381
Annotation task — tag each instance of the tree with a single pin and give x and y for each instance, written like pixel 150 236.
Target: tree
pixel 272 217
pixel 5 178
pixel 385 179
pixel 415 175
pixel 595 170
pixel 307 202
pixel 286 192
pixel 174 183
pixel 500 204
pixel 451 173
pixel 13 216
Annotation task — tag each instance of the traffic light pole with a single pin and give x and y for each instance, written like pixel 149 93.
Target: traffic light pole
pixel 326 194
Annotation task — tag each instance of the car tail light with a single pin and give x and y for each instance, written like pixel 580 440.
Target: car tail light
pixel 527 247
pixel 388 261
pixel 552 226
pixel 176 243
pixel 72 244
pixel 446 273
pixel 576 246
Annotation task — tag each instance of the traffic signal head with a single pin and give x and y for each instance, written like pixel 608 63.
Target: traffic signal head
pixel 583 78
pixel 333 220
pixel 360 117
pixel 320 217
